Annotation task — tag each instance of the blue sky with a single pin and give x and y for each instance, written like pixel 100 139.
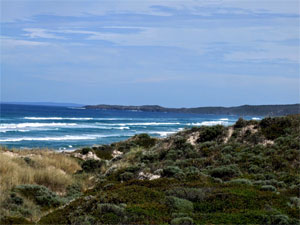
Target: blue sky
pixel 171 53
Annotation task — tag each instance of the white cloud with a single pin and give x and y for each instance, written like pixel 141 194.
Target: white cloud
pixel 40 33
pixel 11 42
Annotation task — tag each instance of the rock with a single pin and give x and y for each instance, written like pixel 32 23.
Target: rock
pixel 147 176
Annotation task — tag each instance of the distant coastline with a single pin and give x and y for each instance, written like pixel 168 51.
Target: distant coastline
pixel 244 110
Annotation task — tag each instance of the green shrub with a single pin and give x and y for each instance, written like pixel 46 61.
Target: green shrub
pixel 126 176
pixel 268 188
pixel 133 169
pixel 273 128
pixel 225 172
pixel 280 219
pixel 73 191
pixel 211 133
pixel 295 202
pixel 110 208
pixel 144 140
pixel 40 194
pixel 240 123
pixel 85 151
pixel 16 199
pixel 29 161
pixel 241 181
pixel 91 165
pixel 174 154
pixel 191 171
pixel 170 171
pixel 178 204
pixel 182 221
pixel 13 220
pixel 192 194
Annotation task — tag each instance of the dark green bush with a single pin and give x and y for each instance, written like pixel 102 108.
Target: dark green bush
pixel 273 128
pixel 29 161
pixel 211 133
pixel 170 171
pixel 73 191
pixel 225 172
pixel 85 151
pixel 178 204
pixel 40 194
pixel 110 208
pixel 192 194
pixel 91 165
pixel 144 140
pixel 240 123
pixel 16 199
pixel 126 176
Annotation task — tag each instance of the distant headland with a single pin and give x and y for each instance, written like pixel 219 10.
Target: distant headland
pixel 244 110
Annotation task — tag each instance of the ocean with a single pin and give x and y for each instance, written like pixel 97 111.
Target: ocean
pixel 68 128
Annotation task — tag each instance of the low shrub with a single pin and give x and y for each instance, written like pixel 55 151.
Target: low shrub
pixel 225 172
pixel 211 133
pixel 40 194
pixel 170 171
pixel 110 208
pixel 144 140
pixel 91 165
pixel 182 221
pixel 268 188
pixel 126 176
pixel 178 204
pixel 192 194
pixel 240 123
pixel 85 151
pixel 273 128
pixel 16 199
pixel 241 181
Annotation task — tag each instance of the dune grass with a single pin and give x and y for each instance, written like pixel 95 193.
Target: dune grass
pixel 36 167
pixel 55 171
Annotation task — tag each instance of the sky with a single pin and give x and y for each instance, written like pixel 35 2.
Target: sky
pixel 170 53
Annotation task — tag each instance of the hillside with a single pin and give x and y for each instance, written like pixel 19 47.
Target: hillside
pixel 245 110
pixel 243 174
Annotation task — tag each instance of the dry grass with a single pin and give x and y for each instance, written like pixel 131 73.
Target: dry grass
pixel 53 170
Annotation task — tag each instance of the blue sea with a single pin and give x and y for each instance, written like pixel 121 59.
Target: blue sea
pixel 68 128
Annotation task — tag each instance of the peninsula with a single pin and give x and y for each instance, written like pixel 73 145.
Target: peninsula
pixel 244 110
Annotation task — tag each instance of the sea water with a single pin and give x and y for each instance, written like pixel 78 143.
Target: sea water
pixel 66 128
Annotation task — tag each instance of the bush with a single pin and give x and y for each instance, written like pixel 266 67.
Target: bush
pixel 73 191
pixel 225 172
pixel 126 176
pixel 110 208
pixel 182 221
pixel 91 165
pixel 280 219
pixel 178 204
pixel 16 199
pixel 104 152
pixel 192 194
pixel 273 128
pixel 211 133
pixel 240 181
pixel 144 140
pixel 40 194
pixel 29 161
pixel 268 188
pixel 240 123
pixel 85 151
pixel 170 171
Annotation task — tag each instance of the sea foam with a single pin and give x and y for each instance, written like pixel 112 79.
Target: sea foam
pixel 58 138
